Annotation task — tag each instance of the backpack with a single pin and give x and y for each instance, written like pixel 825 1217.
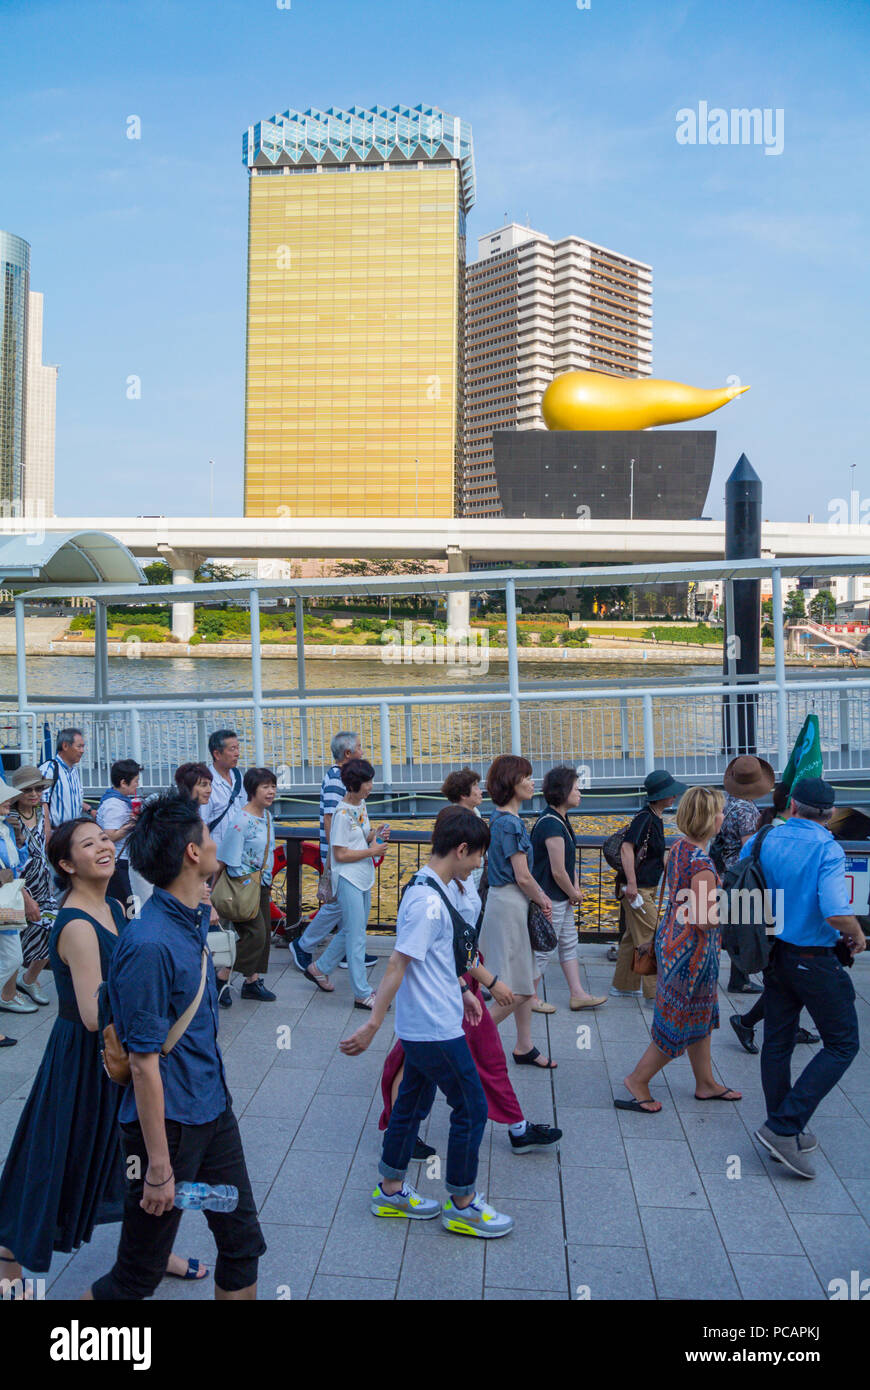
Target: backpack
pixel 747 939
pixel 465 934
pixel 613 845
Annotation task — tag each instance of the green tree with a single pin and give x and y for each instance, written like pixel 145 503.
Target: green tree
pixel 795 606
pixel 823 606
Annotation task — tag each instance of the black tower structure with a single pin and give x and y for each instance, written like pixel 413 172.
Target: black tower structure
pixel 743 635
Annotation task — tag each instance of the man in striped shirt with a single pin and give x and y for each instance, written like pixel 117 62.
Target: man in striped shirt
pixel 344 746
pixel 64 799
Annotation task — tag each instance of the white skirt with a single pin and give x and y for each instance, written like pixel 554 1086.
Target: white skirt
pixel 504 938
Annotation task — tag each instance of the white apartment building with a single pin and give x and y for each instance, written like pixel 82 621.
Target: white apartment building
pixel 535 308
pixel 39 419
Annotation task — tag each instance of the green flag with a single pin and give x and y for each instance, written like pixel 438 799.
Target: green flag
pixel 806 756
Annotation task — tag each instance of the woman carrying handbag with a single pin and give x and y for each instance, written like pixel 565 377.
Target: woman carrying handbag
pixel 243 889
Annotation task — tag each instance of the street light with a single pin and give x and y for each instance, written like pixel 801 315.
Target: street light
pixel 211 487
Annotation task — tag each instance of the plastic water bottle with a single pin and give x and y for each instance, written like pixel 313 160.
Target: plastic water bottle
pixel 199 1196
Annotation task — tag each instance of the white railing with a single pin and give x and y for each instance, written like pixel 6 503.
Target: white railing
pixel 617 735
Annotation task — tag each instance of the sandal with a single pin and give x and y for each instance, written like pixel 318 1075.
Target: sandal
pixel 639 1105
pixel 195 1270
pixel 530 1059
pixel 368 1004
pixel 318 980
pixel 727 1094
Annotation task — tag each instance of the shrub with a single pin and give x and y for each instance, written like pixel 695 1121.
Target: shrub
pixel 144 632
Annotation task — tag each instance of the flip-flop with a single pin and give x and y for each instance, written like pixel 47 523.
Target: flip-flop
pixel 530 1059
pixel 8 1042
pixel 728 1094
pixel 639 1106
pixel 192 1271
pixel 327 989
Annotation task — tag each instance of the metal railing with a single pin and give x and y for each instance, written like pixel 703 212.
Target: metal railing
pixel 614 735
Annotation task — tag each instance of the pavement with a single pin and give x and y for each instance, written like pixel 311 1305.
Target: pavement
pixel 680 1204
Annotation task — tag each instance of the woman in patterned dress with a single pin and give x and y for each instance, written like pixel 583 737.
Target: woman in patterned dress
pixel 687 955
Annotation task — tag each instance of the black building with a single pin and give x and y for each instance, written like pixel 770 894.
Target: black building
pixel 555 473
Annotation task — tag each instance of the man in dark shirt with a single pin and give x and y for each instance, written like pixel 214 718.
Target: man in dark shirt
pixel 177 1121
pixel 643 863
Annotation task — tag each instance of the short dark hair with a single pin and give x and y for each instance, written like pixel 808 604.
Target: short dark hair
pixel 59 848
pixel 67 736
pixel 356 771
pixel 256 777
pixel 455 826
pixel 166 826
pixel 505 772
pixel 217 740
pixel 188 774
pixel 558 784
pixel 124 770
pixel 459 784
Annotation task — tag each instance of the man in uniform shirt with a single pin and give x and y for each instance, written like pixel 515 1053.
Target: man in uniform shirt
pixel 802 860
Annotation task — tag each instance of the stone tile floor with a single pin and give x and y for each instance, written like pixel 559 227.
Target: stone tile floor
pixel 681 1204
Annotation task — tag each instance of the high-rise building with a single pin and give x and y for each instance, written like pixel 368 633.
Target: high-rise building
pixel 535 308
pixel 14 291
pixel 356 260
pixel 41 397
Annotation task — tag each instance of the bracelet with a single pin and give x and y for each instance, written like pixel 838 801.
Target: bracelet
pixel 464 988
pixel 493 981
pixel 159 1184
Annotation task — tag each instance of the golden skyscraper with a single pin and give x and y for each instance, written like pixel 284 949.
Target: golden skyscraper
pixel 356 256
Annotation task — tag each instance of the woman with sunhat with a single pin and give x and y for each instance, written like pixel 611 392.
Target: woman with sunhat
pixel 27 823
pixel 747 779
pixel 13 918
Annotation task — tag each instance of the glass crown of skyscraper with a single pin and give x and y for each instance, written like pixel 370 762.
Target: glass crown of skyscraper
pixel 335 136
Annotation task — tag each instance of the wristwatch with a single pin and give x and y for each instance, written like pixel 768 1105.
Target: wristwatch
pixel 464 988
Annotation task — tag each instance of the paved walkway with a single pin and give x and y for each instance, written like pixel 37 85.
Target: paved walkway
pixel 676 1205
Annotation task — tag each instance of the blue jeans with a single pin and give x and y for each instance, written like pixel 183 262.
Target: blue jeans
pixel 350 939
pixel 794 980
pixel 448 1067
pixel 325 918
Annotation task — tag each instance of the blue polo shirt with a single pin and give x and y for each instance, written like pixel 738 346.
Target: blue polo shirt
pixel 154 975
pixel 803 859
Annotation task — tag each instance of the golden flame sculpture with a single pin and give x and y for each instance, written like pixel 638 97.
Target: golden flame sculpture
pixel 594 401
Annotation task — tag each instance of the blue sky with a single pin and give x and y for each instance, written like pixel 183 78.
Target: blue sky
pixel 760 261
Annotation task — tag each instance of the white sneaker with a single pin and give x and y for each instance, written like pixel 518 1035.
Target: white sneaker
pixel 18 1005
pixel 477 1219
pixel 33 991
pixel 625 993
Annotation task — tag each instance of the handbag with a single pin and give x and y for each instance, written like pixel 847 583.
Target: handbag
pixel 12 903
pixel 116 1058
pixel 644 960
pixel 222 943
pixel 542 933
pixel 238 899
pixel 325 891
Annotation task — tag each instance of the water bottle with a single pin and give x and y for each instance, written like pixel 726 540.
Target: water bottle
pixel 199 1196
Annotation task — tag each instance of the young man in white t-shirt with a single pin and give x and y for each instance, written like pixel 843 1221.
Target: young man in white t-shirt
pixel 430 1002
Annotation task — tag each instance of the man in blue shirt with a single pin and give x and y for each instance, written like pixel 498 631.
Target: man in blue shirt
pixel 177 1121
pixel 802 860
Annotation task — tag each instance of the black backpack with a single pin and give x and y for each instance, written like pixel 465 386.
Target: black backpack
pixel 611 849
pixel 745 920
pixel 465 934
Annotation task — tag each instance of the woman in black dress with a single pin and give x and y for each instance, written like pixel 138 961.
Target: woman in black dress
pixel 63 1174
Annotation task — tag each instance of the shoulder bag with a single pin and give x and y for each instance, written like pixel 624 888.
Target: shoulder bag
pixel 238 899
pixel 465 934
pixel 116 1058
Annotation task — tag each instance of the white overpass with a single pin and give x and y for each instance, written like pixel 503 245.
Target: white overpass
pixel 184 542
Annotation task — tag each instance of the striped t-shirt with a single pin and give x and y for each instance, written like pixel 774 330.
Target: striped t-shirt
pixel 332 791
pixel 65 799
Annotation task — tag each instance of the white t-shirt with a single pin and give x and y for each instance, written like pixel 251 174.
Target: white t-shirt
pixel 429 1000
pixel 350 828
pixel 112 813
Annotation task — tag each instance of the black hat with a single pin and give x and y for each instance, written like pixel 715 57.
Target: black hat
pixel 660 785
pixel 814 791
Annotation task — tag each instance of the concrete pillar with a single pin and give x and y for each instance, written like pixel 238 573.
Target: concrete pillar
pixel 458 601
pixel 183 564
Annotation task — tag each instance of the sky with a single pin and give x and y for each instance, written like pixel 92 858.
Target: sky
pixel 139 246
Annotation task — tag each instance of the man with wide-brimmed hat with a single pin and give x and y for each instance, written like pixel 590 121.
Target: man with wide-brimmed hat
pixel 747 779
pixel 643 862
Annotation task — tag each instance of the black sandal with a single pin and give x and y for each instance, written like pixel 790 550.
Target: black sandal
pixel 529 1059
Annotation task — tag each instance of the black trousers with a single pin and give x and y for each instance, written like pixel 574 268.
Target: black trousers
pixel 209 1153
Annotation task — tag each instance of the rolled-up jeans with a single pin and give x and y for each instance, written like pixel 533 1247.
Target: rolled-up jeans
pixel 350 939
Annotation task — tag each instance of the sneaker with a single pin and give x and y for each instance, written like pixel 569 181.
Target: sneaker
pixel 535 1137
pixel 33 991
pixel 225 998
pixel 258 990
pixel 406 1202
pixel 612 953
pixel 750 988
pixel 301 958
pixel 807 1143
pixel 745 1036
pixel 370 961
pixel 18 1005
pixel 803 1035
pixel 422 1151
pixel 625 993
pixel 786 1149
pixel 477 1219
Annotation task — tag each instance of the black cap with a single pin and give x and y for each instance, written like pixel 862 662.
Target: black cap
pixel 660 785
pixel 814 791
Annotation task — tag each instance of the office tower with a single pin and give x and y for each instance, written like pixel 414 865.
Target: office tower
pixel 356 261
pixel 535 308
pixel 14 290
pixel 41 395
